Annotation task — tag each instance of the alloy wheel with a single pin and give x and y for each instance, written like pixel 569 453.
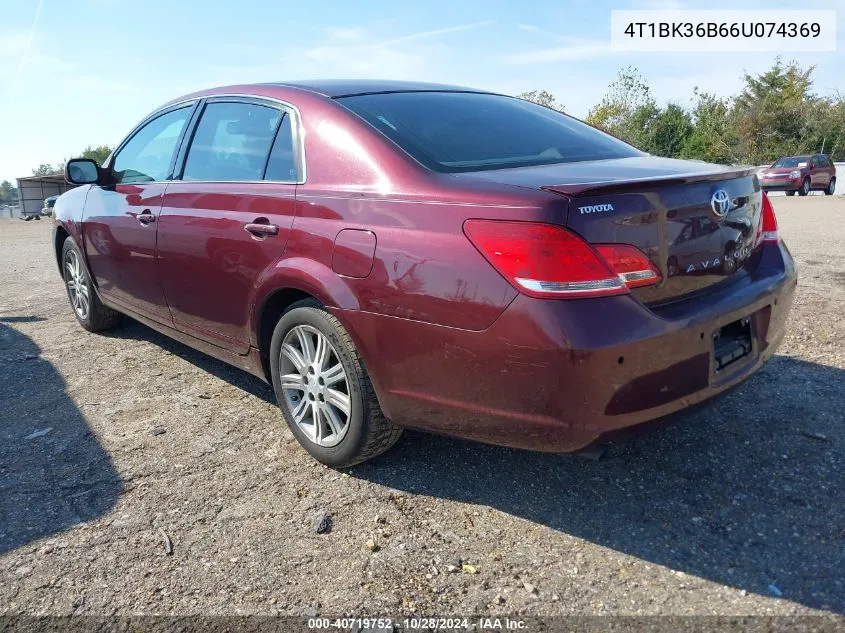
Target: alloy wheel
pixel 315 385
pixel 77 285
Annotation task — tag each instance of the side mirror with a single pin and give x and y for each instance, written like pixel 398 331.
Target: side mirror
pixel 82 171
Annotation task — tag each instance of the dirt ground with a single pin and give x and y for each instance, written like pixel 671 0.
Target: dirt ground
pixel 114 445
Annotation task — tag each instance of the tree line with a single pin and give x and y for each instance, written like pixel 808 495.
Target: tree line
pixel 775 114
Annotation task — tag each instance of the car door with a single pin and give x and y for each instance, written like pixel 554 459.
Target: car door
pixel 826 169
pixel 818 175
pixel 227 215
pixel 120 219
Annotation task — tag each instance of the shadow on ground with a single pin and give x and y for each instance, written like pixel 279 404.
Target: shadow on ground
pixel 735 493
pixel 745 492
pixel 53 472
pixel 131 329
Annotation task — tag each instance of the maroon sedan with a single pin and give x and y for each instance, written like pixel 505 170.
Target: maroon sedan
pixel 800 173
pixel 393 255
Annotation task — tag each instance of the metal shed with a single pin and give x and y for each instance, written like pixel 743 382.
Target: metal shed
pixel 32 190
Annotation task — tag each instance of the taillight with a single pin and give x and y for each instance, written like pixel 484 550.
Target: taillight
pixel 543 260
pixel 767 232
pixel 630 263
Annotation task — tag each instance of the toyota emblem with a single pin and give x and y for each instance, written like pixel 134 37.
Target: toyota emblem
pixel 720 203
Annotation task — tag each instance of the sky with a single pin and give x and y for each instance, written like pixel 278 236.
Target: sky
pixel 81 73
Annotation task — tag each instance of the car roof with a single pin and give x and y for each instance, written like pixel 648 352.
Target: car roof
pixel 335 88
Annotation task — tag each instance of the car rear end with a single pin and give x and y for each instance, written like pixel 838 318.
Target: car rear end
pixel 645 285
pixel 663 293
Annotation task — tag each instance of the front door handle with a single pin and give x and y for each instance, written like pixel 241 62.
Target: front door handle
pixel 261 229
pixel 146 217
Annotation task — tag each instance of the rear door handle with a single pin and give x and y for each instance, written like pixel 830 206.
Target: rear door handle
pixel 146 217
pixel 261 229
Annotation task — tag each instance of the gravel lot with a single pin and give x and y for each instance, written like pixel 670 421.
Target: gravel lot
pixel 110 442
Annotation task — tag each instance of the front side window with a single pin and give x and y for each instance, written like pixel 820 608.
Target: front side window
pixel 459 131
pixel 232 142
pixel 148 154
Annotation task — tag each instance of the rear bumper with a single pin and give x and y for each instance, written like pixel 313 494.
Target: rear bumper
pixel 558 375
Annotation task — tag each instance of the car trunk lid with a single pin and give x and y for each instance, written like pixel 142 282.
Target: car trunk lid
pixel 696 222
pixel 697 233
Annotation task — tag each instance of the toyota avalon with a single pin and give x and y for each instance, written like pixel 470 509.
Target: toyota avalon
pixel 393 255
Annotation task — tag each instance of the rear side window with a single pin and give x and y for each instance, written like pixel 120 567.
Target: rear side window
pixel 455 131
pixel 232 142
pixel 281 167
pixel 147 156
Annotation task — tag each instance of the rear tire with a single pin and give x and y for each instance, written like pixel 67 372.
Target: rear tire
pixel 323 388
pixel 831 187
pixel 805 187
pixel 86 304
pixel 790 193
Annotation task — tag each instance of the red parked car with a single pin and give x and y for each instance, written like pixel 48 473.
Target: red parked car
pixel 392 255
pixel 800 173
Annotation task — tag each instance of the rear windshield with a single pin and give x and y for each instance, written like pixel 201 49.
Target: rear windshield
pixel 792 161
pixel 457 131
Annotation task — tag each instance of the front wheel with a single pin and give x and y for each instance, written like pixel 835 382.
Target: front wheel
pixel 87 307
pixel 805 187
pixel 323 388
pixel 831 187
pixel 790 193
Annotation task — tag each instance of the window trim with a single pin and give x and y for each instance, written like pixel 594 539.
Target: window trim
pixel 287 109
pixel 180 105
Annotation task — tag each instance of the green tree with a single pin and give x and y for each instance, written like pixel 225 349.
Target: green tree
pixel 824 127
pixel 542 98
pixel 771 112
pixel 626 108
pixel 666 131
pixel 8 193
pixel 712 137
pixel 98 154
pixel 46 169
